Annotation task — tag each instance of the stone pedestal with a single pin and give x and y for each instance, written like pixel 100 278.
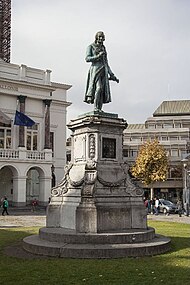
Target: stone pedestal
pixel 97 195
pixel 96 211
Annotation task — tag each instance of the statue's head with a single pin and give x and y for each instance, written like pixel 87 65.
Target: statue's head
pixel 99 37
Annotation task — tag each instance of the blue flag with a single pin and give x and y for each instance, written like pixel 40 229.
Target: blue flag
pixel 22 120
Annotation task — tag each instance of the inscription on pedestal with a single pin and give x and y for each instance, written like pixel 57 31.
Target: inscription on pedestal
pixel 108 148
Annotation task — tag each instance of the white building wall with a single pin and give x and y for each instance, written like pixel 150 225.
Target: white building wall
pixel 58 126
pixel 36 85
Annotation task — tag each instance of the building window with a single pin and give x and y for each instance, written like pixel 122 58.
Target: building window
pixel 127 139
pixel 174 152
pixel 164 138
pixel 177 125
pixel 136 139
pixel 175 172
pixel 183 152
pixel 151 126
pixel 125 152
pixel 32 137
pixel 158 126
pixel 133 153
pixel 108 148
pixel 168 153
pixel 174 138
pixel 168 125
pixel 5 138
pixel 184 138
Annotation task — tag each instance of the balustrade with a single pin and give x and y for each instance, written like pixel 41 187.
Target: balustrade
pixel 24 155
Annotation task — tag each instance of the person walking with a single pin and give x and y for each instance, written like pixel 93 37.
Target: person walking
pixel 5 206
pixel 152 203
pixel 34 205
pixel 149 206
pixel 179 207
pixel 156 207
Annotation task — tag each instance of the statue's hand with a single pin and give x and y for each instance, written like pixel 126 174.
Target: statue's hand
pixel 88 100
pixel 114 78
pixel 101 54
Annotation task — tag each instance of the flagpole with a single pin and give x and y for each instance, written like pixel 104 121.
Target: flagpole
pixel 17 103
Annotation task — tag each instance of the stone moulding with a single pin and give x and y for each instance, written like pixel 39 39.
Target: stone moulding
pixel 70 245
pixel 90 176
pixel 111 184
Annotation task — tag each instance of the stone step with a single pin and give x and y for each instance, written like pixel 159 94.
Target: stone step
pixel 35 245
pixel 70 236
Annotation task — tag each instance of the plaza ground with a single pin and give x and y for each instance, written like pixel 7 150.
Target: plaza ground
pixel 21 268
pixel 24 217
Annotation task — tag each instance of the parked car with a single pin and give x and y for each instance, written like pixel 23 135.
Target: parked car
pixel 167 207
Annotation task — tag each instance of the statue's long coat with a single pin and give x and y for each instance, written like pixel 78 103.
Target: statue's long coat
pixel 99 68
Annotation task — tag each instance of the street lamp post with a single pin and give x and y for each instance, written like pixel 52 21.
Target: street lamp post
pixel 186 187
pixel 187 197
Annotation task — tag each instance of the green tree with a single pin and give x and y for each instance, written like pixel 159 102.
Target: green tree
pixel 151 164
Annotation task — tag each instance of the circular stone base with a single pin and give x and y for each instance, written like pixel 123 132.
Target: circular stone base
pixel 70 236
pixel 63 243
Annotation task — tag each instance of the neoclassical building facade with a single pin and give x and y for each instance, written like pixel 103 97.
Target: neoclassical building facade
pixel 32 159
pixel 170 124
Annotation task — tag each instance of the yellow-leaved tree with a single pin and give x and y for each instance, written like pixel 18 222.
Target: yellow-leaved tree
pixel 151 164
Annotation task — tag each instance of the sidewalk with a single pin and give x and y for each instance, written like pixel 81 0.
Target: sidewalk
pixel 171 218
pixel 24 217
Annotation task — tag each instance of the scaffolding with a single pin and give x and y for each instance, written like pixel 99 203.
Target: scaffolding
pixel 5 30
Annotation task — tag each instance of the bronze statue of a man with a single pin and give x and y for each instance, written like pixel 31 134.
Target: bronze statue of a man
pixel 98 89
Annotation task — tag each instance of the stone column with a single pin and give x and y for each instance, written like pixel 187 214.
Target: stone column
pixel 19 192
pixel 47 123
pixel 45 189
pixel 21 128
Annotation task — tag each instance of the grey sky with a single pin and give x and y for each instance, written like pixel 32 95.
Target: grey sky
pixel 148 45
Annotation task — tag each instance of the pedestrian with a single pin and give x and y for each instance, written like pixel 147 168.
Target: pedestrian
pixel 5 206
pixel 34 205
pixel 152 203
pixel 1 202
pixel 156 206
pixel 179 207
pixel 146 204
pixel 149 206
